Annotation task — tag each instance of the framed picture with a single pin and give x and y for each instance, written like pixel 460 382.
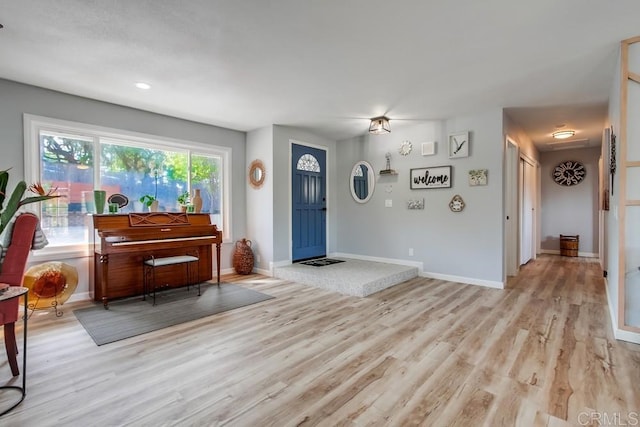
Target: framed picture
pixel 612 160
pixel 435 177
pixel 606 158
pixel 459 145
pixel 478 177
pixel 429 148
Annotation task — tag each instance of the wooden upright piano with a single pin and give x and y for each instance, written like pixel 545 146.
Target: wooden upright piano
pixel 121 243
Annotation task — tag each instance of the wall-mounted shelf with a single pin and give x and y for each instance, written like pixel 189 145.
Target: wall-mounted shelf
pixel 388 172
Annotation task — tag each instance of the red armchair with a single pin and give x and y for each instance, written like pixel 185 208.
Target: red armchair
pixel 12 271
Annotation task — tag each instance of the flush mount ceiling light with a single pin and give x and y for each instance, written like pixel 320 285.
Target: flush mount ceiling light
pixel 143 85
pixel 563 134
pixel 379 125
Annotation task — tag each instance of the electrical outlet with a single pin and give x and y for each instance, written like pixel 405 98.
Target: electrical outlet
pixel 410 251
pixel 258 258
pixel 388 203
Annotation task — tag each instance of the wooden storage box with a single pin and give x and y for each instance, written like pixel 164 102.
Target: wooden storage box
pixel 569 245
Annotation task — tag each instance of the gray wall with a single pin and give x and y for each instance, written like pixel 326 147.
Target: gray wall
pixel 282 137
pixel 465 246
pixel 570 210
pixel 17 99
pixel 260 200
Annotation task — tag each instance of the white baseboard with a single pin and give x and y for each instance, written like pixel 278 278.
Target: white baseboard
pixel 581 254
pixel 82 296
pixel 417 264
pixel 264 272
pixel 284 263
pixel 225 271
pixel 465 280
pixel 627 336
pixel 422 273
pixel 618 333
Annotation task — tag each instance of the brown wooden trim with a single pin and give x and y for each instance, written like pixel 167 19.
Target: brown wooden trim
pixel 633 203
pixel 633 164
pixel 632 40
pixel 634 76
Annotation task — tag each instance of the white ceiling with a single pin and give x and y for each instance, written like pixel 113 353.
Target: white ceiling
pixel 328 66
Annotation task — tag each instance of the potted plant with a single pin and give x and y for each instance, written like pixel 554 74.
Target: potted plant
pixel 150 202
pixel 16 201
pixel 184 200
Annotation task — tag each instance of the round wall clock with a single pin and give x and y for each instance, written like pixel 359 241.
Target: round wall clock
pixel 569 172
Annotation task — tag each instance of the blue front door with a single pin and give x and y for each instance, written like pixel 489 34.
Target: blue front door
pixel 308 171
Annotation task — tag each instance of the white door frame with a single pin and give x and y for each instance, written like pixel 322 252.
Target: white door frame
pixel 527 208
pixel 511 220
pixel 290 197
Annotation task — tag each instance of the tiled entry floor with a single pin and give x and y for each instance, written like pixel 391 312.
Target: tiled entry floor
pixel 352 277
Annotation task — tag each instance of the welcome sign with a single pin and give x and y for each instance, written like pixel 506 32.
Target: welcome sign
pixel 436 177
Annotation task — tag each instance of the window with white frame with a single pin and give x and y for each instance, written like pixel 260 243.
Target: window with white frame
pixel 76 159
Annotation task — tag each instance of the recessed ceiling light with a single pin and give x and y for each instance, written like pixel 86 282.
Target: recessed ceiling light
pixel 143 86
pixel 563 134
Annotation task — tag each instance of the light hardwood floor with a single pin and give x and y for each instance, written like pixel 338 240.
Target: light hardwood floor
pixel 426 352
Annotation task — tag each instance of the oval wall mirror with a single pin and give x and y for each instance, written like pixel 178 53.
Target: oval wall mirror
pixel 362 182
pixel 256 174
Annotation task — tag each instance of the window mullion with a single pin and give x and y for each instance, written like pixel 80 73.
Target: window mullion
pixel 97 162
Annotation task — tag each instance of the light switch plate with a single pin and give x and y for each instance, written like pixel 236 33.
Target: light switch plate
pixel 388 203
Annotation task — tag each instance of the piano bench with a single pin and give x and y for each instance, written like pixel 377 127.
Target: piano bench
pixel 152 263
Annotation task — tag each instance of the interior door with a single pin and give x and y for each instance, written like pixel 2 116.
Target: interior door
pixel 527 204
pixel 308 192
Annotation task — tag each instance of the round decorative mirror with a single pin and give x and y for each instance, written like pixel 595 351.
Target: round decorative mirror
pixel 362 182
pixel 256 174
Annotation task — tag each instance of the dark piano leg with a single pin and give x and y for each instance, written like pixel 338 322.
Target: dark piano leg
pixel 218 261
pixel 104 261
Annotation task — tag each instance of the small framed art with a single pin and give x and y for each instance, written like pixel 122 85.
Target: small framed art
pixel 478 177
pixel 459 145
pixel 429 148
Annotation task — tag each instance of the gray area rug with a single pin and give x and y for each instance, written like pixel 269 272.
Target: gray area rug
pixel 132 316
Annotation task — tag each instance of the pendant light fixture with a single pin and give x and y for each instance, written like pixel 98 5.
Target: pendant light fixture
pixel 379 125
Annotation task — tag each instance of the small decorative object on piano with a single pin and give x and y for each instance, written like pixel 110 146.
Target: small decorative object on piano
pixel 197 200
pixel 183 200
pixel 243 257
pixel 148 200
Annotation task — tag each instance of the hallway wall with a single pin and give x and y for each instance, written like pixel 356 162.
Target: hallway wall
pixel 464 246
pixel 569 210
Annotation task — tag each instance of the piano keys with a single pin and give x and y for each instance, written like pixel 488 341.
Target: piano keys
pixel 121 242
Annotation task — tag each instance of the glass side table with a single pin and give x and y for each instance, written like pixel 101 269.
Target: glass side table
pixel 11 293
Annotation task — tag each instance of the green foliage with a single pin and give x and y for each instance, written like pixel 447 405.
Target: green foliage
pixel 56 149
pixel 119 158
pixel 147 200
pixel 184 198
pixel 16 200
